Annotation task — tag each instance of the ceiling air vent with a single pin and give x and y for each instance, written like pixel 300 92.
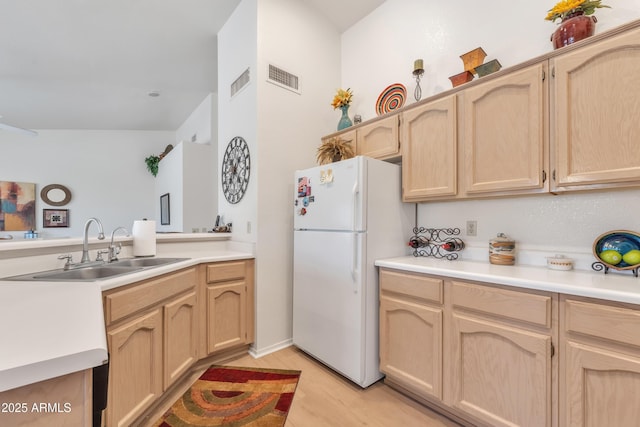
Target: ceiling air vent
pixel 240 82
pixel 283 78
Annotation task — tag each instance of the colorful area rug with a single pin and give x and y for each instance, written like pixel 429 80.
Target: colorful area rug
pixel 233 397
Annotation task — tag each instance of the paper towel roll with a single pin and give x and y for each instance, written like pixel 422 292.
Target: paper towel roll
pixel 144 238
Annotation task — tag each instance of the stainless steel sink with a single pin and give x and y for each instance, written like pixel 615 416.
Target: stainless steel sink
pixel 96 272
pixel 86 274
pixel 146 262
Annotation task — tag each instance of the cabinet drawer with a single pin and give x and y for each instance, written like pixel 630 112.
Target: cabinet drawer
pixel 224 271
pixel 148 293
pixel 516 305
pixel 412 284
pixel 603 321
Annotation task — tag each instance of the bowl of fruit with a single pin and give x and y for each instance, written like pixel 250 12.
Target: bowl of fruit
pixel 618 249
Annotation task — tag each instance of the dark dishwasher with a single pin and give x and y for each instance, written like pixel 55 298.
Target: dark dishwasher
pixel 100 386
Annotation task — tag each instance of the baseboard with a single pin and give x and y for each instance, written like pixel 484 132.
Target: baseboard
pixel 258 353
pixel 437 407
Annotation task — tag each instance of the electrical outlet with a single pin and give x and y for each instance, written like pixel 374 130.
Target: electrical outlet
pixel 472 228
pixel 248 227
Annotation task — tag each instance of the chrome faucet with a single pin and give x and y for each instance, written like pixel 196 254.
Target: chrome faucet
pixel 114 250
pixel 85 241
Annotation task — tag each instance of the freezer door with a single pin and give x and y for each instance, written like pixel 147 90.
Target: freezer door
pixel 328 299
pixel 330 197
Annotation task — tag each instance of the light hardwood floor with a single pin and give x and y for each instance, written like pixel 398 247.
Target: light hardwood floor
pixel 326 399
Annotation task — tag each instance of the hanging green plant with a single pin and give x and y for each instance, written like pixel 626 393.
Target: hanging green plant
pixel 152 161
pixel 152 164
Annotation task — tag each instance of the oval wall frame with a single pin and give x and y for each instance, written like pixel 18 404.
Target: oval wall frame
pixel 55 195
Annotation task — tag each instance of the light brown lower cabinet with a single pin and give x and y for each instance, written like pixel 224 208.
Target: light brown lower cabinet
pixel 500 366
pixel 480 353
pixel 229 305
pixel 600 369
pixel 63 401
pixel 135 377
pixel 151 332
pixel 155 329
pixel 506 356
pixel 411 306
pixel 180 337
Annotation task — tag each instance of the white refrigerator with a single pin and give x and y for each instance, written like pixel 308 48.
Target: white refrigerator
pixel 346 215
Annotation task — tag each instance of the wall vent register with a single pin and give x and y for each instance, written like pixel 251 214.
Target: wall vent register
pixel 240 82
pixel 284 79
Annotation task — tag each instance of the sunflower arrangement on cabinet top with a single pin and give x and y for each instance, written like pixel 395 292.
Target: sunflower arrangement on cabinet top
pixel 568 8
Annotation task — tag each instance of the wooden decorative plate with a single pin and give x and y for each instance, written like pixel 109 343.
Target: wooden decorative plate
pixel 391 98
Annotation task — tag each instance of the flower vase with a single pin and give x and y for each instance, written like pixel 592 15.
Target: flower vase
pixel 572 29
pixel 345 121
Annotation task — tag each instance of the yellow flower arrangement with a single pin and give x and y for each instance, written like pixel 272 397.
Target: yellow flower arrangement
pixel 565 8
pixel 342 98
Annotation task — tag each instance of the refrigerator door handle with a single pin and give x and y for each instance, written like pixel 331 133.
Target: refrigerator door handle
pixel 354 196
pixel 354 263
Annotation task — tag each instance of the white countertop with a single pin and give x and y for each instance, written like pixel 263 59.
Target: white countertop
pixel 620 286
pixel 50 329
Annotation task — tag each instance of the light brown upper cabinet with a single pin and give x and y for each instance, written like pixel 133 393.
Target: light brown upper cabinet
pixel 595 125
pixel 429 151
pixel 565 121
pixel 505 137
pixel 380 139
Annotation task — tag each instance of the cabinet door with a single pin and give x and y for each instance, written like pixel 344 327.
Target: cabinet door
pixel 135 378
pixel 500 374
pixel 70 393
pixel 602 387
pixel 429 151
pixel 411 345
pixel 596 127
pixel 226 316
pixel 505 137
pixel 180 337
pixel 347 136
pixel 379 139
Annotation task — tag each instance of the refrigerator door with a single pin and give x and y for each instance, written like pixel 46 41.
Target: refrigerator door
pixel 328 300
pixel 330 197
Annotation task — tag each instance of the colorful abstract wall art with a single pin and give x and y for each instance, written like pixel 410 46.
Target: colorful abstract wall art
pixel 17 206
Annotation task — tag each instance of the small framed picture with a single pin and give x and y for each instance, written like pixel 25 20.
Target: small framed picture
pixel 165 210
pixel 55 217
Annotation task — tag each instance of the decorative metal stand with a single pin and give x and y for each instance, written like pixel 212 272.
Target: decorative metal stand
pixel 436 242
pixel 417 94
pixel 600 266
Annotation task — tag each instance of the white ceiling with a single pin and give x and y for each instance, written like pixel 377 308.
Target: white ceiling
pixel 90 64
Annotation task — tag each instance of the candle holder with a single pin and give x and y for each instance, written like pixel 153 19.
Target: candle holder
pixel 418 72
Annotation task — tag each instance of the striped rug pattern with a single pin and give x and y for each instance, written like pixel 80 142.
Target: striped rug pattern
pixel 234 397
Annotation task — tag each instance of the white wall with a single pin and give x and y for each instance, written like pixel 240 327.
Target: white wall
pixel 237 116
pixel 199 126
pixel 282 129
pixel 404 30
pixel 170 180
pixel 104 170
pixel 198 169
pixel 289 130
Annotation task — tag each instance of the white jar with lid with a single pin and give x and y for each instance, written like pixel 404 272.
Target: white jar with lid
pixel 559 262
pixel 502 250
